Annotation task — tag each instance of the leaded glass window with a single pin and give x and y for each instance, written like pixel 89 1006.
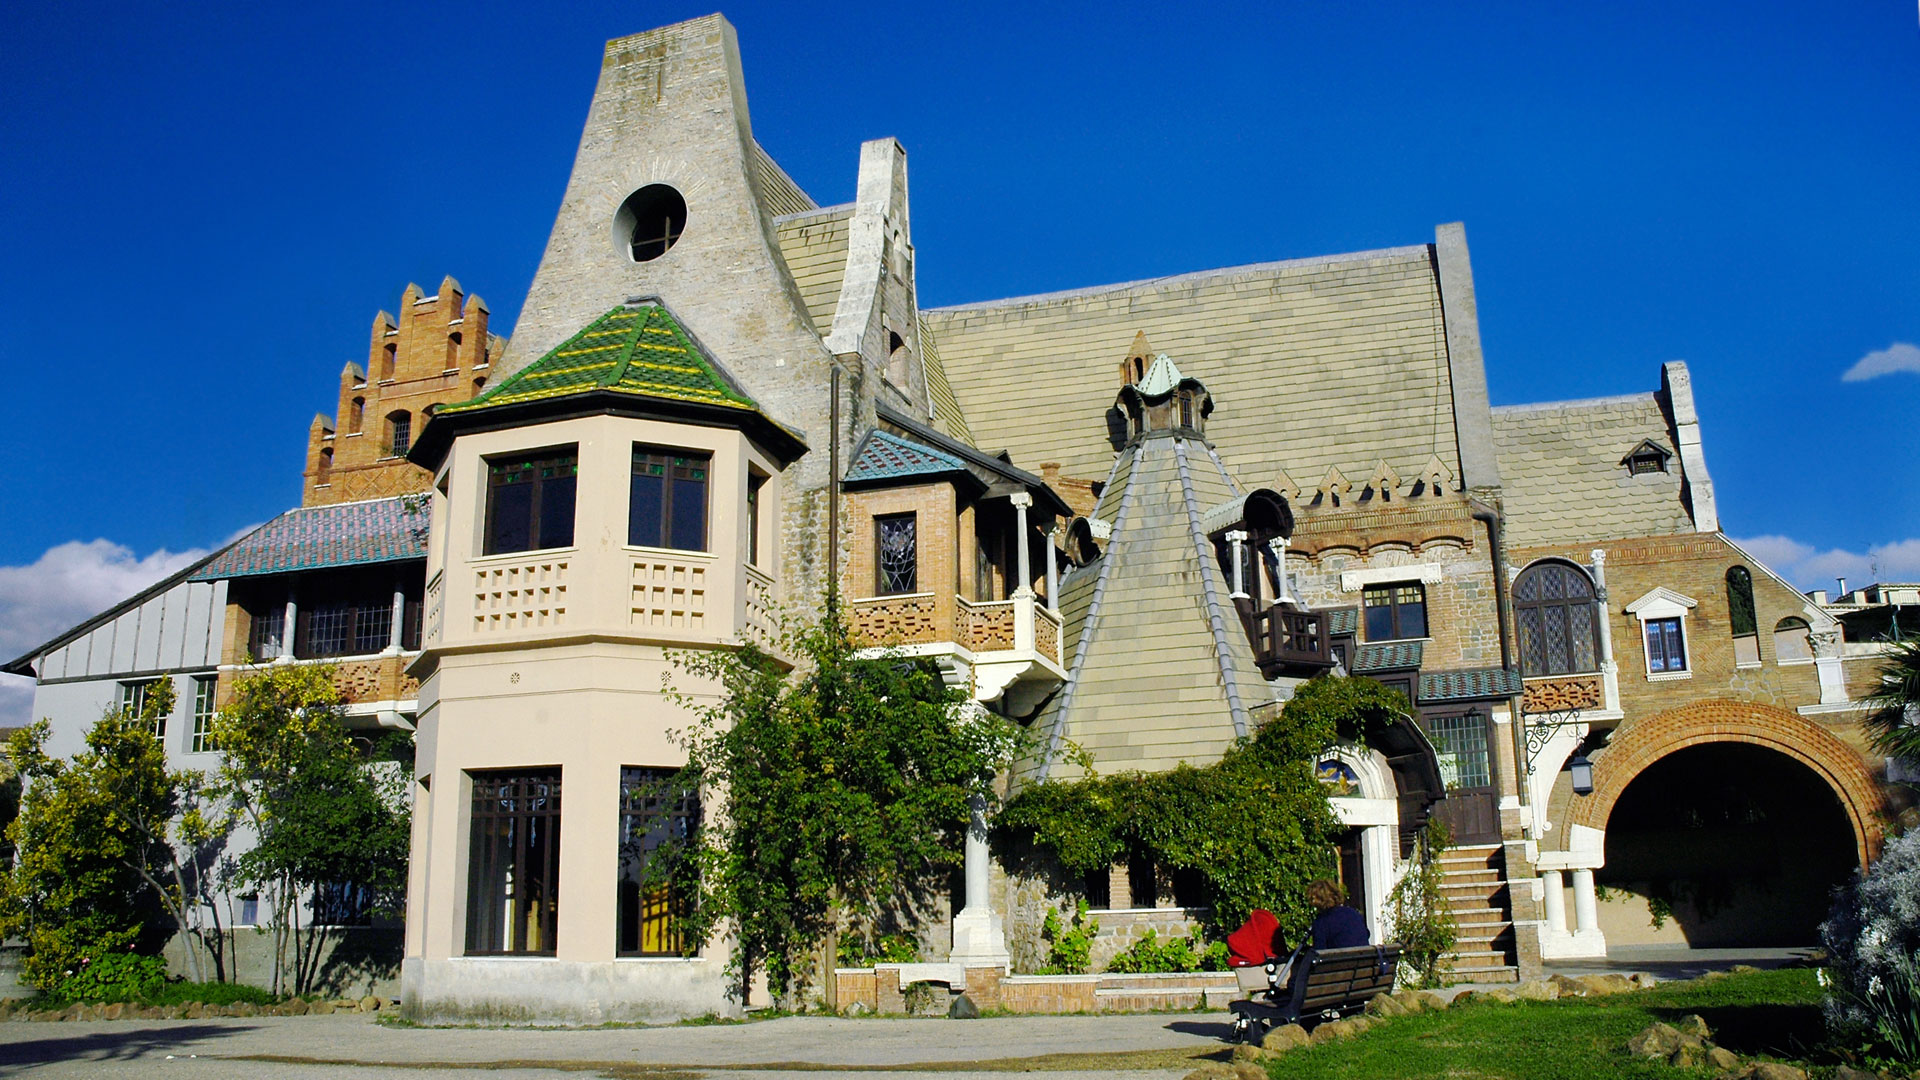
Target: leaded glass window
pixel 399 433
pixel 1553 604
pixel 667 500
pixel 1395 611
pixel 513 863
pixel 896 554
pixel 1666 647
pixel 268 630
pixel 530 501
pixel 658 818
pixel 1460 745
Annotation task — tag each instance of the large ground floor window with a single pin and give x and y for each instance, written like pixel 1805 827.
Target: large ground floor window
pixel 655 812
pixel 513 868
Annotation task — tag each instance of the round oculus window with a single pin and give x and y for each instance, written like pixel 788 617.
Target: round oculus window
pixel 650 222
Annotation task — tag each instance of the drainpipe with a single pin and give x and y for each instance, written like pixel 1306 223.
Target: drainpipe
pixel 833 490
pixel 1491 518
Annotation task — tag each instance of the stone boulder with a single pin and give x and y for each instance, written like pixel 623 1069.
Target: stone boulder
pixel 1656 1041
pixel 1569 986
pixel 1601 985
pixel 1433 1000
pixel 1536 990
pixel 1695 1025
pixel 1687 1056
pixel 1722 1058
pixel 321 1008
pixel 368 1004
pixel 963 1008
pixel 1773 1070
pixel 1283 1038
pixel 1212 1070
pixel 1249 1070
pixel 1385 1007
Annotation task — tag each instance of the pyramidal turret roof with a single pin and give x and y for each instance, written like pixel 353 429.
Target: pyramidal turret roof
pixel 1163 378
pixel 637 349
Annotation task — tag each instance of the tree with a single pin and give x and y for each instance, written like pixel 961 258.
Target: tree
pixel 111 846
pixel 846 787
pixel 326 817
pixel 1894 723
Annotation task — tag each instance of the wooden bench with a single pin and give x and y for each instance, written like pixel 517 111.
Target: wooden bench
pixel 1324 985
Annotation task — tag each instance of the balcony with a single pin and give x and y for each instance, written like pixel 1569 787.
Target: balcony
pixel 1288 640
pixel 997 646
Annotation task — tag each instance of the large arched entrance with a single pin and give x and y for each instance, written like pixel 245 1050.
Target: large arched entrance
pixel 1726 823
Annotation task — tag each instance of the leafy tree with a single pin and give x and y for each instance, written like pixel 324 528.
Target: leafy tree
pixel 1254 826
pixel 846 788
pixel 323 815
pixel 1894 723
pixel 111 846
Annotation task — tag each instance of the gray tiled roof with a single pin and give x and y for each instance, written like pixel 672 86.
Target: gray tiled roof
pixel 1463 685
pixel 314 537
pixel 882 456
pixel 1388 656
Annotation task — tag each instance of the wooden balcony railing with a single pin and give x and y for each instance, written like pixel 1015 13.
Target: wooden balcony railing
pixel 1288 640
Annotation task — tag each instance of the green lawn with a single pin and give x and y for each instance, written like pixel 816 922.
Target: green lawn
pixel 1772 1013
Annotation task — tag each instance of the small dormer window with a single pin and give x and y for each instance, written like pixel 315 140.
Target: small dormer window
pixel 1648 457
pixel 1186 409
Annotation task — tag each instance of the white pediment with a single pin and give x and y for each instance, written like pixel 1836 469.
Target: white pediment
pixel 1661 603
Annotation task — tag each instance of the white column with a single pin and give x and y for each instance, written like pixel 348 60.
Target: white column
pixel 1279 546
pixel 1555 896
pixel 1827 652
pixel 1238 538
pixel 1021 500
pixel 286 632
pixel 1609 671
pixel 1586 913
pixel 1053 570
pixel 399 617
pixel 979 939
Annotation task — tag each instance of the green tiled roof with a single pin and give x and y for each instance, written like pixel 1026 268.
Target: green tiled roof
pixel 634 349
pixel 1388 656
pixel 315 537
pixel 1343 621
pixel 1464 685
pixel 884 456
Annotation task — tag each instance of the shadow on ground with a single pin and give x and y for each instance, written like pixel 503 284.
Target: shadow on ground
pixel 1787 1031
pixel 123 1045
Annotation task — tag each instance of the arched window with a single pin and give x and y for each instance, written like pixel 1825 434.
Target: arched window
pixel 1791 641
pixel 323 471
pixel 1740 617
pixel 356 415
pixel 896 360
pixel 1559 624
pixel 389 358
pixel 399 433
pixel 1186 408
pixel 453 350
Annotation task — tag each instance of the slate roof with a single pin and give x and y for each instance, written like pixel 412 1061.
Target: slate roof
pixel 636 349
pixel 1561 475
pixel 1388 656
pixel 315 537
pixel 1466 685
pixel 1163 378
pixel 884 456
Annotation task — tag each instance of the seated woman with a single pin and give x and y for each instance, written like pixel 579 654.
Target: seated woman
pixel 1337 926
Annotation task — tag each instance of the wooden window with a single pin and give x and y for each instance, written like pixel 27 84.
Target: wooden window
pixel 355 619
pixel 1666 646
pixel 513 863
pixel 896 555
pixel 203 690
pixel 1398 610
pixel 755 482
pixel 667 500
pixel 133 698
pixel 658 819
pixel 1553 604
pixel 530 501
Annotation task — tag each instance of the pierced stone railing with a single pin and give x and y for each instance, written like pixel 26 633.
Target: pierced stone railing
pixel 516 596
pixel 670 591
pixel 910 619
pixel 382 679
pixel 1562 693
pixel 987 627
pixel 758 618
pixel 436 606
pixel 1046 637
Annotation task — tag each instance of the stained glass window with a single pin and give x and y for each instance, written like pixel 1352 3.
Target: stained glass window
pixel 1553 603
pixel 667 500
pixel 896 554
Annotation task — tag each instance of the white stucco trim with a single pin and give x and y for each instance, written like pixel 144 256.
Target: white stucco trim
pixel 1424 573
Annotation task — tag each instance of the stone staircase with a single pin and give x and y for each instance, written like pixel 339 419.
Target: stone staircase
pixel 1474 878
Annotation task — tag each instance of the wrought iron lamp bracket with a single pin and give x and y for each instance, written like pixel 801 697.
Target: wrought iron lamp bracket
pixel 1541 727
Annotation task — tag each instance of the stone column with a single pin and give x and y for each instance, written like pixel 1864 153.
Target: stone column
pixel 1238 538
pixel 286 632
pixel 1279 546
pixel 979 938
pixel 1586 913
pixel 1053 570
pixel 1021 500
pixel 1609 671
pixel 399 619
pixel 1555 897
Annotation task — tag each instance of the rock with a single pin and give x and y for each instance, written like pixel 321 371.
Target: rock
pixel 193 1011
pixel 1413 1000
pixel 1212 1070
pixel 963 1008
pixel 296 1007
pixel 1773 1070
pixel 321 1008
pixel 1743 969
pixel 1712 976
pixel 1499 997
pixel 1643 980
pixel 1655 1041
pixel 1848 1072
pixel 1722 1058
pixel 1247 1070
pixel 858 1008
pixel 370 1004
pixel 1537 990
pixel 1687 1057
pixel 1433 1000
pixel 1283 1038
pixel 1334 1029
pixel 1695 1025
pixel 1385 1006
pixel 1570 987
pixel 1600 985
pixel 116 1011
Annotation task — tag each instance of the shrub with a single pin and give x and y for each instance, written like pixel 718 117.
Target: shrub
pixel 858 950
pixel 1873 939
pixel 1150 956
pixel 1069 949
pixel 114 976
pixel 1418 914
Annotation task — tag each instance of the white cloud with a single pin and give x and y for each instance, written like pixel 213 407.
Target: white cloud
pixel 1811 568
pixel 67 585
pixel 1899 356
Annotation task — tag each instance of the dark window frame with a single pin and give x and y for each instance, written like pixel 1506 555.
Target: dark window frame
pixel 205 688
pixel 672 462
pixel 756 485
pixel 527 803
pixel 503 473
pixel 1553 605
pixel 654 811
pixel 399 433
pixel 1665 642
pixel 1397 609
pixel 890 582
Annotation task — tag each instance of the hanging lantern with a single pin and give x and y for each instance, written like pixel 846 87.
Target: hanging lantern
pixel 1582 774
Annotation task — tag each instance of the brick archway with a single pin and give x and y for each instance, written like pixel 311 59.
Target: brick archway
pixel 1638 745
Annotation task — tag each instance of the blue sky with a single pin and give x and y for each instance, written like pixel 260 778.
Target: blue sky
pixel 204 205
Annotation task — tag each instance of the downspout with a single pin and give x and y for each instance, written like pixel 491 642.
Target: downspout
pixel 833 492
pixel 1491 518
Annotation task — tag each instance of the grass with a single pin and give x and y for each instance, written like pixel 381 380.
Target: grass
pixel 1773 1014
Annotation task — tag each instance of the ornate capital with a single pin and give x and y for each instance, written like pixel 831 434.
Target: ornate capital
pixel 1021 499
pixel 1826 644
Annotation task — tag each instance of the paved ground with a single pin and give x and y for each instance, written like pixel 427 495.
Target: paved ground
pixel 351 1047
pixel 1676 962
